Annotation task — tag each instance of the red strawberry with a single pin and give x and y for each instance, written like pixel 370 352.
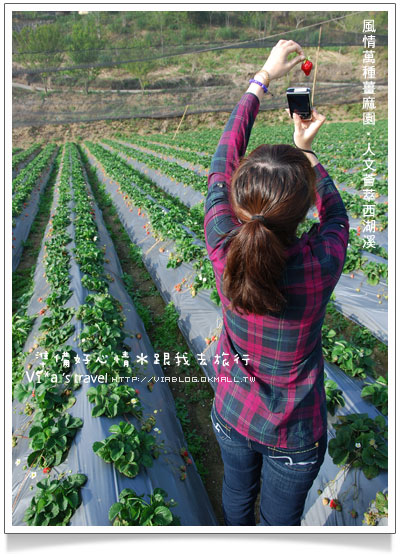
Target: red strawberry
pixel 33 393
pixel 333 504
pixel 46 470
pixel 307 66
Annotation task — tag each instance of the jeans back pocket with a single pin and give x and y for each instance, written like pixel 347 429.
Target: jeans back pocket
pixel 221 429
pixel 299 460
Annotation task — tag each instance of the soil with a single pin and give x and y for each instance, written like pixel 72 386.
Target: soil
pixel 199 73
pixel 198 410
pixel 379 353
pixel 94 131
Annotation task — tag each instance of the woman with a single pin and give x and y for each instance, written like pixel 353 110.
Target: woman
pixel 269 412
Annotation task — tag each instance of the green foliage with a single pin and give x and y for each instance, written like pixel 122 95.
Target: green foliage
pixel 40 48
pixel 360 442
pixel 29 176
pixel 84 49
pixel 55 501
pixel 114 400
pixel 334 396
pixel 127 449
pixel 49 397
pixel 21 156
pixel 21 326
pixel 51 439
pixel 195 442
pixel 352 359
pixel 133 510
pixel 378 509
pixel 375 272
pixel 377 393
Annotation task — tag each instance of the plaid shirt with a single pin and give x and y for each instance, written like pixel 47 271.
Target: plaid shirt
pixel 269 368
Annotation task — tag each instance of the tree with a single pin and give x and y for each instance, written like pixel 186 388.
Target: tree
pixel 40 48
pixel 84 48
pixel 140 70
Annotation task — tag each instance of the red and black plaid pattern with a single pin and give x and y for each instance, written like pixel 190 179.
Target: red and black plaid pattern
pixel 269 368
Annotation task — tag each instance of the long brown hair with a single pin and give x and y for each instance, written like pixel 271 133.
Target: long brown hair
pixel 277 182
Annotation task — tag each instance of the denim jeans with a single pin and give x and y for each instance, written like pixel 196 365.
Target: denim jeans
pixel 287 476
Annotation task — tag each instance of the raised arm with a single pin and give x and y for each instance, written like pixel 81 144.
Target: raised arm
pixel 219 217
pixel 330 244
pixel 235 137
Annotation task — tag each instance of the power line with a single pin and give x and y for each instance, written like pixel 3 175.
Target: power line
pixel 239 44
pixel 216 47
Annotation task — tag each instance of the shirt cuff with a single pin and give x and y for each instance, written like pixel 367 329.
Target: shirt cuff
pixel 320 172
pixel 253 95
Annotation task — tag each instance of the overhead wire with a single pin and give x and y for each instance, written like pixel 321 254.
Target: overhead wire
pixel 238 44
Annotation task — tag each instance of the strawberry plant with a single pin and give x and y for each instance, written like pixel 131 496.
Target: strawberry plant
pixel 58 317
pixel 20 156
pixel 360 442
pixel 50 398
pixel 377 393
pixel 378 509
pixel 171 169
pixel 334 396
pixel 114 400
pixel 101 334
pixel 55 501
pixel 27 179
pixel 51 439
pixel 59 296
pixel 353 360
pixel 106 364
pixel 56 337
pixel 182 154
pixel 354 259
pixel 127 449
pixel 21 326
pixel 375 272
pixel 133 510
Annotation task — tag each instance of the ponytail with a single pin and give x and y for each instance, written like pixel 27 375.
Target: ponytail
pixel 275 185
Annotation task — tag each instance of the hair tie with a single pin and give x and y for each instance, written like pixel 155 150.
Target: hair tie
pixel 261 218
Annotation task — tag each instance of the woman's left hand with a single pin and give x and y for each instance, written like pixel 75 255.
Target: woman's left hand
pixel 277 64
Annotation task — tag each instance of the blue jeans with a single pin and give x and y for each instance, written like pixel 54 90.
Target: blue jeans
pixel 287 476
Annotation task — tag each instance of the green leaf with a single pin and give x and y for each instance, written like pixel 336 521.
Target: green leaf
pixel 146 516
pixel 97 445
pixel 117 452
pixel 73 499
pixel 77 480
pixel 115 509
pixel 33 456
pixel 162 516
pixel 98 410
pixel 147 461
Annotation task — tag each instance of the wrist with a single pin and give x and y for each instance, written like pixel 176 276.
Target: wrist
pixel 312 158
pixel 303 146
pixel 270 72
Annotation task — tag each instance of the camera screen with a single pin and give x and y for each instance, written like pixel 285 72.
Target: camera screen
pixel 299 103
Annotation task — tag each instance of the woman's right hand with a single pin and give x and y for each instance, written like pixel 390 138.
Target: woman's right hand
pixel 306 130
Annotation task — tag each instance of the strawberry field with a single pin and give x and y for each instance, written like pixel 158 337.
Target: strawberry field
pixel 97 437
